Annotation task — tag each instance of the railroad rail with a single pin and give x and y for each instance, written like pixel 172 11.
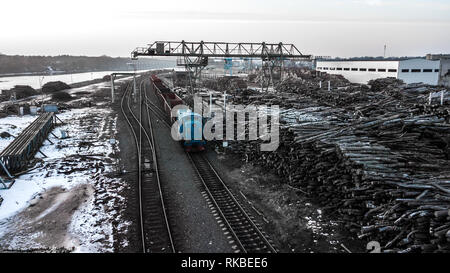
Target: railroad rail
pixel 245 231
pixel 16 155
pixel 155 231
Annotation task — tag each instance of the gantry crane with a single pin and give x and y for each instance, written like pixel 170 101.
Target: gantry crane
pixel 194 55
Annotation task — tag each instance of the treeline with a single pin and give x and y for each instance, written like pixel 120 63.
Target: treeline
pixel 66 63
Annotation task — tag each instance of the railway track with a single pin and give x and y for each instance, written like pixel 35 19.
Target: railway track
pixel 155 232
pixel 247 234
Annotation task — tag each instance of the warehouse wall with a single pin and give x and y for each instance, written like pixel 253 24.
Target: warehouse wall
pixel 419 70
pixel 410 71
pixel 360 71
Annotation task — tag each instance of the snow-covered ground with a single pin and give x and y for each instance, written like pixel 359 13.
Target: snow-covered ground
pixel 78 171
pixel 13 125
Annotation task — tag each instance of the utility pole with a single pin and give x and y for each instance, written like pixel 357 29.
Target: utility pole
pixel 112 88
pixel 210 104
pixel 134 80
pixel 41 80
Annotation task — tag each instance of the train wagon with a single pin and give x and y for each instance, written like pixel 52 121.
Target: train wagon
pixel 191 124
pixel 191 130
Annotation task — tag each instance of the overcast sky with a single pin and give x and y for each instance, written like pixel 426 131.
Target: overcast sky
pixel 317 27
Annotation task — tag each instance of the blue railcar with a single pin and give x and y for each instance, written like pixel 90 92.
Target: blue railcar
pixel 191 130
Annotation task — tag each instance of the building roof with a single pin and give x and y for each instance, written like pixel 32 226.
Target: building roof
pixel 370 59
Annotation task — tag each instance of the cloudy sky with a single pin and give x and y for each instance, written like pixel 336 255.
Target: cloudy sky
pixel 317 27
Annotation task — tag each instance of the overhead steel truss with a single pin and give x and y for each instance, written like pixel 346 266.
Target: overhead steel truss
pixel 220 49
pixel 194 55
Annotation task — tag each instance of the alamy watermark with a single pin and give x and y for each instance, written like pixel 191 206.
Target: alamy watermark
pixel 262 123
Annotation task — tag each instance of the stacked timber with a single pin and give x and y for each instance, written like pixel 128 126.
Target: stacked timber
pixel 378 159
pixel 225 83
pixel 56 86
pixel 313 77
pixel 384 84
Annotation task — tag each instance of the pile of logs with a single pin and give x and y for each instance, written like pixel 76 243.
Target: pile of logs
pixel 378 158
pixel 313 77
pixel 384 84
pixel 434 109
pixel 225 83
pixel 20 92
pixel 56 86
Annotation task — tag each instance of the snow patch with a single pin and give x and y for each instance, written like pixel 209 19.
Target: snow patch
pixel 82 158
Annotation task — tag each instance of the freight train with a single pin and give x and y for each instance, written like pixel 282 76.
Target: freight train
pixel 190 123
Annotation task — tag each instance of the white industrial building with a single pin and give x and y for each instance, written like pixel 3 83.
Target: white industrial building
pixel 427 71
